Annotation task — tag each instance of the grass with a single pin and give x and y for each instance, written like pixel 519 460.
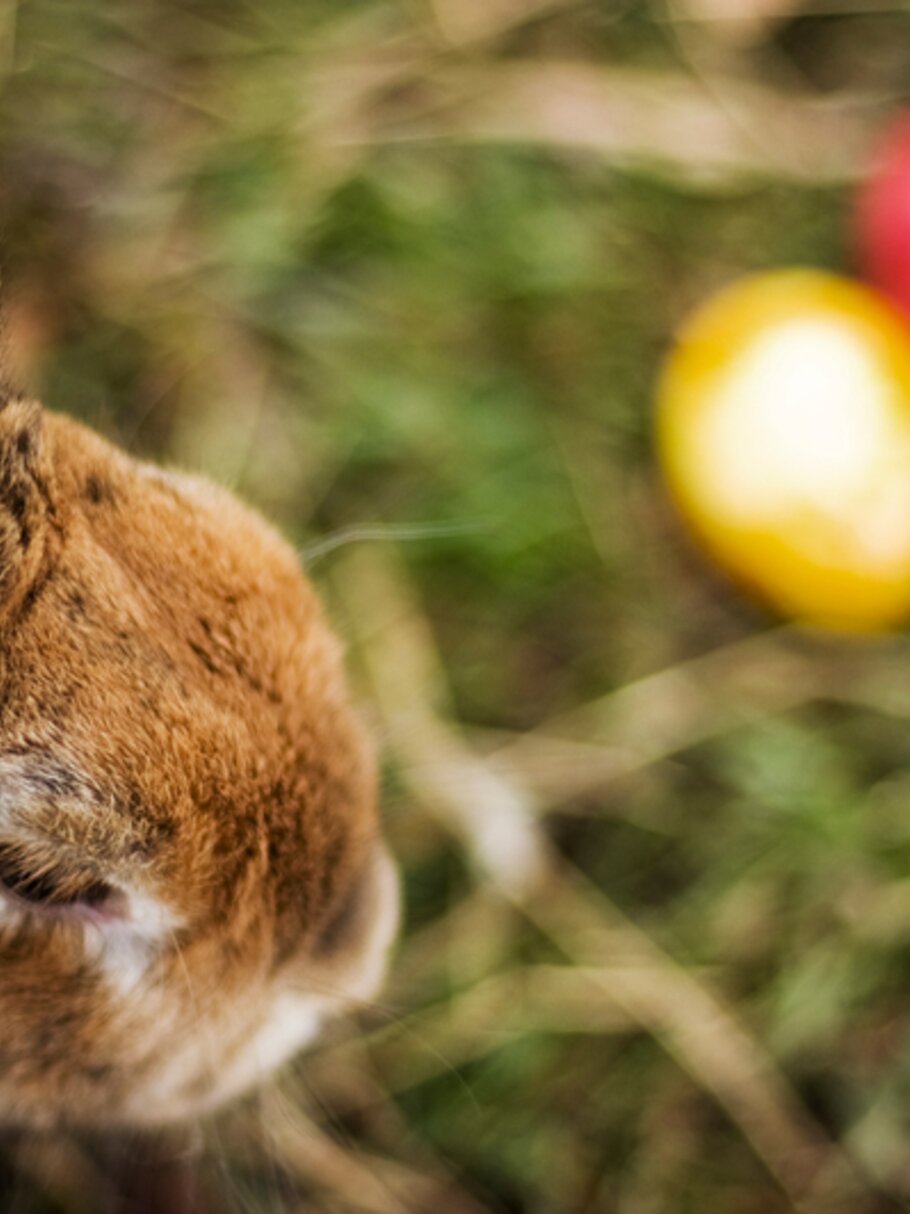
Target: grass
pixel 397 271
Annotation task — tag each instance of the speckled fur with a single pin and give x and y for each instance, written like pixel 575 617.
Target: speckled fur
pixel 173 719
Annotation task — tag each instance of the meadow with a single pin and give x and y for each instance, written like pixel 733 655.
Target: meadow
pixel 402 274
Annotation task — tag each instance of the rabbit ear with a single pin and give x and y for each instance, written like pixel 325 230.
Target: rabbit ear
pixel 26 506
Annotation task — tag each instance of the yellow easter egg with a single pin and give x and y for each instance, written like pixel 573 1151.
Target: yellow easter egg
pixel 783 428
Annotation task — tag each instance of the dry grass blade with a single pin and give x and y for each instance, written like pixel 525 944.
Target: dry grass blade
pixel 664 714
pixel 702 1032
pixel 711 12
pixel 476 917
pixel 464 792
pixel 8 18
pixel 558 770
pixel 628 114
pixel 543 998
pixel 467 21
pixel 878 683
pixel 741 21
pixel 362 1181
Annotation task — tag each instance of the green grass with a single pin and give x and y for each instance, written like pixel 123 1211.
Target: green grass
pixel 265 241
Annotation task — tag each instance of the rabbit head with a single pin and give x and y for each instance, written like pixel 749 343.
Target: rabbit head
pixel 191 872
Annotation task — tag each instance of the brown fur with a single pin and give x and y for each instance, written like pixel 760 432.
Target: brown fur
pixel 173 713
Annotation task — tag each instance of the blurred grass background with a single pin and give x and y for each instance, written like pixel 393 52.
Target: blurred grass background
pixel 402 274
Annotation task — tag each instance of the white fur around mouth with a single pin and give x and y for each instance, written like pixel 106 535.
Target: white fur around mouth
pixel 273 1025
pixel 296 1015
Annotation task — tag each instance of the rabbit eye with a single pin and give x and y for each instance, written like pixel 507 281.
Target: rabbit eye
pixel 48 886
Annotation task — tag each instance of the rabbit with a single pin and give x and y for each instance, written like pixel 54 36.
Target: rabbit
pixel 192 874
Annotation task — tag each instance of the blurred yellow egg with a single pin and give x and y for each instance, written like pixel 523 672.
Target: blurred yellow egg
pixel 784 433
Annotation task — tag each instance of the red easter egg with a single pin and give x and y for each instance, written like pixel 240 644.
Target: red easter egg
pixel 882 225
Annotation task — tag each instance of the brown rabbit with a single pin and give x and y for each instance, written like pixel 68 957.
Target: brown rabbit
pixel 191 875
